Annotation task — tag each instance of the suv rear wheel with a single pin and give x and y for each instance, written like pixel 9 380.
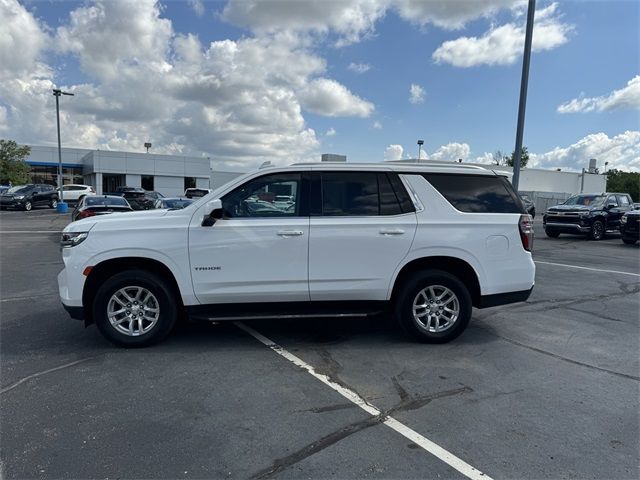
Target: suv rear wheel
pixel 433 306
pixel 135 308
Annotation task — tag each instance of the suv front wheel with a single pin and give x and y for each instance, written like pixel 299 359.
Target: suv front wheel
pixel 433 306
pixel 135 308
pixel 597 230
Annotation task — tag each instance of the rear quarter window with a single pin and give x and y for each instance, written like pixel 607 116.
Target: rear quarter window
pixel 476 193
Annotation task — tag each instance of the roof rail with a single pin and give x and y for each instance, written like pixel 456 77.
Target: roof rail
pixel 407 163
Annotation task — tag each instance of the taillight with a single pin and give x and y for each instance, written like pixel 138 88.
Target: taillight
pixel 526 231
pixel 93 190
pixel 86 214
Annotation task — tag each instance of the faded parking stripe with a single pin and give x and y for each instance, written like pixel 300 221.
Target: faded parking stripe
pixel 588 268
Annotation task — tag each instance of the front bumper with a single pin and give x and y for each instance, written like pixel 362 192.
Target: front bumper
pixel 10 203
pixel 567 227
pixel 630 233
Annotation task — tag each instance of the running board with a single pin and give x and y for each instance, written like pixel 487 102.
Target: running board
pixel 284 311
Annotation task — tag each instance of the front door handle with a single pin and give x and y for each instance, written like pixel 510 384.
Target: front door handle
pixel 290 233
pixel 391 231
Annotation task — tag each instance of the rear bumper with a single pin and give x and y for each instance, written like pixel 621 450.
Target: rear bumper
pixel 504 298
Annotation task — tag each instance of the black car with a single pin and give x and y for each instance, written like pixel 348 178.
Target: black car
pixel 141 200
pixel 592 214
pixel 92 205
pixel 26 197
pixel 174 203
pixel 630 227
pixel 529 206
pixel 196 192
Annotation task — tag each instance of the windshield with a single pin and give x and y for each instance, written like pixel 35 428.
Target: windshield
pixel 19 189
pixel 585 200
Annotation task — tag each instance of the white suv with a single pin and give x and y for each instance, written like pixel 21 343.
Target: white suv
pixel 74 193
pixel 422 243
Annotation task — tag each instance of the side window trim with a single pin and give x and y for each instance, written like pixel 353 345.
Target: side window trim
pixel 417 203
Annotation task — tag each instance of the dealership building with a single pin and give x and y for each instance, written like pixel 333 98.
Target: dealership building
pixel 106 170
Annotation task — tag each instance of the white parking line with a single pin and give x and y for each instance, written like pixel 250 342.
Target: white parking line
pixel 588 268
pixel 431 447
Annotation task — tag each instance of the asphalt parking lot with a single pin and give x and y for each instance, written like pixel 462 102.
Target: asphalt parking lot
pixel 543 389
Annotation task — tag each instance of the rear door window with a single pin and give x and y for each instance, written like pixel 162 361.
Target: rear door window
pixel 623 200
pixel 476 193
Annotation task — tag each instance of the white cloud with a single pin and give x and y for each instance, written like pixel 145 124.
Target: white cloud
pixel 21 41
pixel 377 125
pixel 351 20
pixel 625 98
pixel 331 132
pixel 451 14
pixel 503 45
pixel 416 94
pixel 112 36
pixel 393 152
pixel 451 152
pixel 236 101
pixel 197 7
pixel 328 97
pixel 621 151
pixel 359 67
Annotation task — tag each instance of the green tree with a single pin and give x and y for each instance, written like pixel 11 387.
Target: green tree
pixel 624 182
pixel 524 158
pixel 13 168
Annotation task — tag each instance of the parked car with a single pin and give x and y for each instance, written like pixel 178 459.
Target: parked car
pixel 26 197
pixel 630 227
pixel 154 194
pixel 140 199
pixel 529 206
pixel 592 214
pixel 174 203
pixel 123 189
pixel 196 192
pixel 425 243
pixel 74 192
pixel 92 205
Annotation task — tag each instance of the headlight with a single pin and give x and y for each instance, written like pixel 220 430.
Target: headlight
pixel 584 214
pixel 19 197
pixel 71 239
pixel 623 219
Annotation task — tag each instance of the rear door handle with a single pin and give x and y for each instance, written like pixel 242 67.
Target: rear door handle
pixel 290 233
pixel 391 231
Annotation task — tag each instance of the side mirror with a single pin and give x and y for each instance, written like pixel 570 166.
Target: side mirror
pixel 214 207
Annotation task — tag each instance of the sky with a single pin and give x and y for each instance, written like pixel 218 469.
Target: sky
pixel 249 81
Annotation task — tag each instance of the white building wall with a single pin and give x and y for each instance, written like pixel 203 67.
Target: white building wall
pixel 168 186
pixel 133 180
pixel 202 182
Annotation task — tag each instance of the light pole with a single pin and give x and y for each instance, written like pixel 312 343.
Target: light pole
pixel 56 93
pixel 420 143
pixel 605 167
pixel 523 93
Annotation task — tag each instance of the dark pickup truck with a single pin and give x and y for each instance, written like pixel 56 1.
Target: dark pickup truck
pixel 630 227
pixel 26 197
pixel 592 214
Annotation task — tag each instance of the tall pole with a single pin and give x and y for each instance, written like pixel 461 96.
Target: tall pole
pixel 57 95
pixel 523 92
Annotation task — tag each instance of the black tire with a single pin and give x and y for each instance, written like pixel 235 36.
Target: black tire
pixel 409 292
pixel 629 240
pixel 53 203
pixel 167 304
pixel 597 230
pixel 533 213
pixel 551 233
pixel 27 206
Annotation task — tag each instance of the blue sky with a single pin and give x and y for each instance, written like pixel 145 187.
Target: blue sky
pixel 285 81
